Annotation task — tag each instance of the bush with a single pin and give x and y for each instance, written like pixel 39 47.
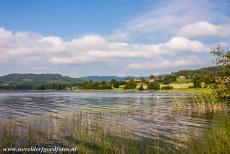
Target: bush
pixel 116 85
pixel 130 85
pixel 141 87
pixel 197 81
pixel 153 86
pixel 95 85
pixel 166 88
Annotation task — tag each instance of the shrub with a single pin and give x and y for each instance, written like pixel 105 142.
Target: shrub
pixel 141 87
pixel 130 85
pixel 153 86
pixel 166 88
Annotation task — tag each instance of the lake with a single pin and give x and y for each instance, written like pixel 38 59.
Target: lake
pixel 146 115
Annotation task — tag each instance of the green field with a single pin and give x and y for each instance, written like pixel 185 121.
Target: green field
pixel 181 85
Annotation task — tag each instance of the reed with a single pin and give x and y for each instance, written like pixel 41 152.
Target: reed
pixel 102 131
pixel 203 102
pixel 215 140
pixel 85 130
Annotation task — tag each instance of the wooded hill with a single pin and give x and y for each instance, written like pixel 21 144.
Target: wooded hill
pixel 60 82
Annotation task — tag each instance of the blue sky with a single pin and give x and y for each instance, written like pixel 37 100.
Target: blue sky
pixel 110 37
pixel 67 18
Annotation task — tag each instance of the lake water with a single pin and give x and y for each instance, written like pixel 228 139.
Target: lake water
pixel 149 115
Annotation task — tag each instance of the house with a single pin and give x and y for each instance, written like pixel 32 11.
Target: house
pixel 135 80
pixel 182 77
pixel 152 78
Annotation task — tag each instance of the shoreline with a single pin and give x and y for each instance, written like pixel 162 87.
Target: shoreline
pixel 206 90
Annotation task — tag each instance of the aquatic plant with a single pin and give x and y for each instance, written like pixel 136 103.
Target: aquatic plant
pixel 85 130
pixel 204 102
pixel 215 140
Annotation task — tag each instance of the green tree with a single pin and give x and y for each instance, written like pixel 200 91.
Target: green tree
pixel 130 85
pixel 153 86
pixel 222 88
pixel 166 87
pixel 197 81
pixel 141 87
pixel 222 58
pixel 169 78
pixel 115 83
pixel 209 78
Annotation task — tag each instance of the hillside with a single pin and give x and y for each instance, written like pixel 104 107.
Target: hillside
pixel 22 79
pixel 218 70
pixel 57 81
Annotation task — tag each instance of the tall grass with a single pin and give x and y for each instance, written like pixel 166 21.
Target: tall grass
pixel 204 102
pixel 215 140
pixel 102 132
pixel 84 130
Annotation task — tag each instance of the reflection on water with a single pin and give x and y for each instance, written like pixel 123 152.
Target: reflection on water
pixel 146 115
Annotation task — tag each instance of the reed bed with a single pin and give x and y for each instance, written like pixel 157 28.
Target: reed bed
pixel 204 102
pixel 84 130
pixel 101 131
pixel 215 140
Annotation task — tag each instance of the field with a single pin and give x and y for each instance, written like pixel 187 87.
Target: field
pixel 181 85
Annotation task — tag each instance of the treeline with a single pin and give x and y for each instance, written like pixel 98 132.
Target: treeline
pixel 131 84
pixel 94 85
pixel 52 86
pixel 99 85
pixel 218 70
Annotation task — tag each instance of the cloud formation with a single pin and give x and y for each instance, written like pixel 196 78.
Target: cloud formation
pixel 25 46
pixel 159 64
pixel 167 37
pixel 166 19
pixel 205 29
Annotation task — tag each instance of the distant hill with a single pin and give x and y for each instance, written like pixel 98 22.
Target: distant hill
pixel 57 81
pixel 18 79
pixel 202 71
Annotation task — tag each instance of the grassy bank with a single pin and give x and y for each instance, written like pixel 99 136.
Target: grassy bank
pixel 136 90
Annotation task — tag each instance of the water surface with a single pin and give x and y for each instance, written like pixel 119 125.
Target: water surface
pixel 149 115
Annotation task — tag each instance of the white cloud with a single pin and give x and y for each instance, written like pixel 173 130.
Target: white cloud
pixel 166 36
pixel 166 64
pixel 44 51
pixel 182 44
pixel 204 29
pixel 118 36
pixel 164 20
pixel 5 35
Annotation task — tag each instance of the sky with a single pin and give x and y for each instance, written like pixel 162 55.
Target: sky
pixel 110 37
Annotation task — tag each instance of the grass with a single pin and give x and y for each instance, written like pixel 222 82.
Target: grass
pixel 85 130
pixel 136 90
pixel 204 102
pixel 181 85
pixel 193 90
pixel 183 81
pixel 215 140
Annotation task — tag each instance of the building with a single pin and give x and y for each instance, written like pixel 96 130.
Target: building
pixel 152 78
pixel 182 77
pixel 135 80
